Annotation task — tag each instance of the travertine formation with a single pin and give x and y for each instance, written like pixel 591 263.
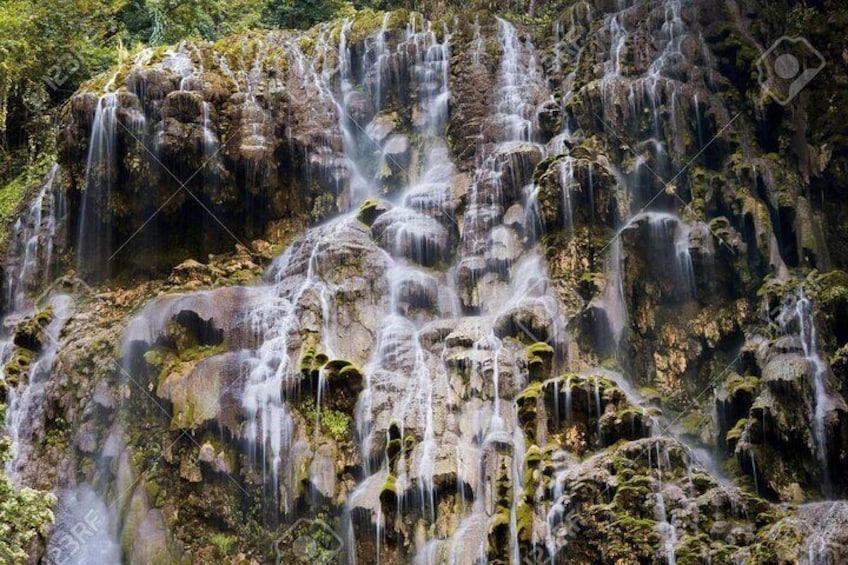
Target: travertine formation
pixel 558 302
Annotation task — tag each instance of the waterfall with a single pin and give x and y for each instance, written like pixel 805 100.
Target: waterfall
pixel 667 531
pixel 430 288
pixel 29 263
pixel 101 175
pixel 26 403
pixel 796 316
pixel 416 239
pixel 613 301
pixel 85 530
pixel 520 81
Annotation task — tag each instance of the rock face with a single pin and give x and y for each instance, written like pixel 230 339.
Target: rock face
pixel 557 304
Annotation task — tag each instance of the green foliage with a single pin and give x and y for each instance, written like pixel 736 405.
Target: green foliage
pixel 299 13
pixel 48 48
pixel 223 543
pixel 337 424
pixel 159 22
pixel 332 423
pixel 24 514
pixel 13 194
pixel 11 197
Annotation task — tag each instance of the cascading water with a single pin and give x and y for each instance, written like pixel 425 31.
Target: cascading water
pixel 434 282
pixel 29 263
pixel 101 175
pixel 648 91
pixel 34 235
pixel 85 530
pixel 796 317
pixel 25 406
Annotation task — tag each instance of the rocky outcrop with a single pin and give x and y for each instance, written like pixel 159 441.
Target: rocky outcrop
pixel 548 276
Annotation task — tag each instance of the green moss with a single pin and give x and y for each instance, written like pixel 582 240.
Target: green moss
pixel 389 492
pixel 540 348
pixel 369 211
pixel 14 194
pixel 650 394
pixel 223 543
pixel 167 361
pixel 632 496
pixel 533 456
pixel 29 333
pixel 524 521
pixel 638 530
pixel 340 368
pixel 154 358
pixel 18 365
pixel 331 423
pixel 735 433
pixel 539 358
pixel 499 520
pixel 527 406
pixel 310 362
pixel 701 482
pixel 694 422
pixel 350 371
pixel 530 393
pixel 738 384
pixel 408 445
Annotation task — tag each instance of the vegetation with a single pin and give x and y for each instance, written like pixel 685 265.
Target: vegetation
pixel 24 513
pixel 336 425
pixel 48 48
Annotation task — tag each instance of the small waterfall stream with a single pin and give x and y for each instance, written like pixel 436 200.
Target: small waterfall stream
pixel 29 264
pixel 34 238
pixel 796 316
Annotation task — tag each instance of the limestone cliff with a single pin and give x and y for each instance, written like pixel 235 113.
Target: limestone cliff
pixel 456 287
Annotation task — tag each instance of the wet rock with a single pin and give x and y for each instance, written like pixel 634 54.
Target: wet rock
pixel 381 126
pixel 514 217
pixel 144 523
pixel 515 161
pixel 371 210
pixel 183 106
pixel 197 396
pixel 191 271
pixel 505 247
pixel 322 472
pixel 360 107
pixel 413 235
pixel 784 371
